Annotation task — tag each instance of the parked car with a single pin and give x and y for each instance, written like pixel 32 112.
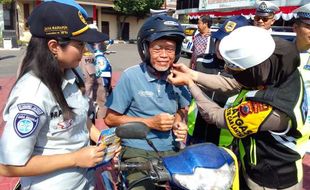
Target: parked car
pixel 290 36
pixel 191 31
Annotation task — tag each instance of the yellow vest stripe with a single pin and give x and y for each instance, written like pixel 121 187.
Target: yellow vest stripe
pixel 191 117
pixel 235 185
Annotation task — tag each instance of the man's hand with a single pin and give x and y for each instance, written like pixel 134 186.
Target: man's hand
pixel 161 122
pixel 180 131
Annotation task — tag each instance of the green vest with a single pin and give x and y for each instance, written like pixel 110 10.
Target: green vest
pixel 272 159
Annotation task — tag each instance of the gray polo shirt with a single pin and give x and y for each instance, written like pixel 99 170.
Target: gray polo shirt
pixel 35 126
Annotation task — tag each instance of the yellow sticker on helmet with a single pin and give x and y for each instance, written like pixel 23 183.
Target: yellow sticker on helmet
pixel 246 118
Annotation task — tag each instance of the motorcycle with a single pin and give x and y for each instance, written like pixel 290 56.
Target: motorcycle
pixel 103 74
pixel 197 167
pixel 102 64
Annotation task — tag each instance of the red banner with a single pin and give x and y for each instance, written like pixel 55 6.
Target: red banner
pixel 285 10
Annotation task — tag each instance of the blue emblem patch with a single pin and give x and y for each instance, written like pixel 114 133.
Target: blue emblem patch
pixel 25 124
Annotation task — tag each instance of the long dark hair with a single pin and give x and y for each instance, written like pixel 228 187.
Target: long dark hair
pixel 43 64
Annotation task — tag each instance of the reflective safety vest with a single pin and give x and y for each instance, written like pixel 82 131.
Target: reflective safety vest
pixel 226 139
pixel 305 73
pixel 274 159
pixel 191 117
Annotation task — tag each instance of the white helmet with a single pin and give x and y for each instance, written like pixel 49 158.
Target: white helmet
pixel 246 47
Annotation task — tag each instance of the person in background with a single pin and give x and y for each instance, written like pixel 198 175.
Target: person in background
pixel 302 28
pixel 46 138
pixel 269 113
pixel 143 94
pixel 265 14
pixel 96 90
pixel 88 68
pixel 201 39
pixel 212 63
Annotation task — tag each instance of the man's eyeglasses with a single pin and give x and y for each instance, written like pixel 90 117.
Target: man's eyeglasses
pixel 264 19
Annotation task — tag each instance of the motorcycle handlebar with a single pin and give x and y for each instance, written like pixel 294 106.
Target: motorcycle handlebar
pixel 154 167
pixel 125 166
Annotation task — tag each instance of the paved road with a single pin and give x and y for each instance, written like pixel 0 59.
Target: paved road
pixel 126 55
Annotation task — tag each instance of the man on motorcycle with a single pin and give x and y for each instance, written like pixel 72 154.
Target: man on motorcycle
pixel 143 94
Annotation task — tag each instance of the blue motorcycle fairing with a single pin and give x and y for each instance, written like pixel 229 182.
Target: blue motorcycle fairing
pixel 204 155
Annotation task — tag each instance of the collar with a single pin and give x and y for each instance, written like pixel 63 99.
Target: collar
pixel 203 35
pixel 69 78
pixel 151 74
pixel 306 51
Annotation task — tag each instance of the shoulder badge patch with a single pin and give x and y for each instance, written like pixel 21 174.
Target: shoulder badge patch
pixel 246 118
pixel 25 124
pixel 230 26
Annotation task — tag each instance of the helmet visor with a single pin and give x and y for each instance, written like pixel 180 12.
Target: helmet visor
pixel 232 66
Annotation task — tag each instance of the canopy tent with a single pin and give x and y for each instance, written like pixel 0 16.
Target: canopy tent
pixel 285 13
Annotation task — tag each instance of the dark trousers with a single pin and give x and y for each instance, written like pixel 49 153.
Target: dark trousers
pixel 130 154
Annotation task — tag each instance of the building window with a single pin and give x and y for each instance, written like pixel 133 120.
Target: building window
pixel 8 16
pixel 187 4
pixel 105 27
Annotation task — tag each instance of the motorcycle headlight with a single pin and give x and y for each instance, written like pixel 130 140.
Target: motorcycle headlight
pixel 207 178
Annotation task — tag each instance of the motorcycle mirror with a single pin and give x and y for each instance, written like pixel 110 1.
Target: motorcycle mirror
pixel 132 130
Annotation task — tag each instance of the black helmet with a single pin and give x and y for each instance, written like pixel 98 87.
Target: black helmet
pixel 156 27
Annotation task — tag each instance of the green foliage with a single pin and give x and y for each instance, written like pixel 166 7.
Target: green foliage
pixel 5 1
pixel 136 7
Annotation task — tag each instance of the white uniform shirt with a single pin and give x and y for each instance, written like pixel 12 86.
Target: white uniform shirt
pixel 35 126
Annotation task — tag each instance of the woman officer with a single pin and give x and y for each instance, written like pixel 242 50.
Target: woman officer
pixel 46 137
pixel 268 114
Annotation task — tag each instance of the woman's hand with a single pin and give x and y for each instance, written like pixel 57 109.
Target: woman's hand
pixel 116 155
pixel 184 69
pixel 88 156
pixel 179 78
pixel 180 131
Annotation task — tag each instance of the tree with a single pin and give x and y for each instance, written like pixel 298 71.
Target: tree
pixel 138 8
pixel 5 1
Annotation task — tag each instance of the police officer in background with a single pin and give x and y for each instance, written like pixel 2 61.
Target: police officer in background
pixel 265 14
pixel 212 63
pixel 302 28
